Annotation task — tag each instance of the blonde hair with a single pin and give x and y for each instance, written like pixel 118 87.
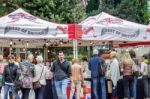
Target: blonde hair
pixel 1 57
pixel 30 57
pixel 74 61
pixel 127 58
pixel 39 59
pixel 113 54
pixel 18 58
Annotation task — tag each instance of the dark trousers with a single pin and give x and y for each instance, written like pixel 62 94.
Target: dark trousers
pixel 39 93
pixel 140 89
pixel 146 82
pixel 128 86
pixel 25 93
pixel 48 92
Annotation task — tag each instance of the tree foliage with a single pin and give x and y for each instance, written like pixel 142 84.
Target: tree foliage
pixel 61 11
pixel 72 11
pixel 132 10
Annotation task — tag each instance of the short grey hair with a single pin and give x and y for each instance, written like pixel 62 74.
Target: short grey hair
pixel 39 59
pixel 95 51
pixel 30 57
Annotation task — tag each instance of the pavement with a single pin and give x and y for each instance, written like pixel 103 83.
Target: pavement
pixel 32 94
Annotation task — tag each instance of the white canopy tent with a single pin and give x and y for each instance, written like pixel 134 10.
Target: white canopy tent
pixel 105 27
pixel 22 27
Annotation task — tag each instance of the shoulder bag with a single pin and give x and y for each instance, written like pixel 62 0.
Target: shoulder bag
pixel 37 85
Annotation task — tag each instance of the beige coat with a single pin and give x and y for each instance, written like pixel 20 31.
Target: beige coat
pixel 37 72
pixel 76 73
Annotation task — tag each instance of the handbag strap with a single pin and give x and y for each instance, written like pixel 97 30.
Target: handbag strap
pixel 61 66
pixel 41 73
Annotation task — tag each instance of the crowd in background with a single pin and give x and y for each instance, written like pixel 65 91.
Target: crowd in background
pixel 50 80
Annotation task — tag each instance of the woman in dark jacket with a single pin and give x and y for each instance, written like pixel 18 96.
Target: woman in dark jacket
pixel 10 76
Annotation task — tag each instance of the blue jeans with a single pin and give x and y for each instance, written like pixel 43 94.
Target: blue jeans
pixel 54 90
pixel 6 89
pixel 96 90
pixel 134 87
pixel 39 93
pixel 61 87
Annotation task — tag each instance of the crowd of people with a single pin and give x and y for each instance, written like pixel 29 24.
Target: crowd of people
pixel 50 80
pixel 128 68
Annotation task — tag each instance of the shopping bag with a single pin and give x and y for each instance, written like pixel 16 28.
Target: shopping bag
pixel 109 84
pixel 20 94
pixel 32 94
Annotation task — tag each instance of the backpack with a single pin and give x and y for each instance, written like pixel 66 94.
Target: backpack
pixel 26 82
pixel 102 68
pixel 136 68
pixel 27 71
pixel 148 71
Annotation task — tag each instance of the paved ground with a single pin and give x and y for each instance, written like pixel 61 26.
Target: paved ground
pixel 2 94
pixel 88 84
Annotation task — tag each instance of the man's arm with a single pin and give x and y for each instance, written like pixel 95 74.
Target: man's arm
pixel 69 71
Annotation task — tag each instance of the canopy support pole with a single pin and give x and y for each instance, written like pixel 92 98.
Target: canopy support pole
pixel 45 53
pixel 75 48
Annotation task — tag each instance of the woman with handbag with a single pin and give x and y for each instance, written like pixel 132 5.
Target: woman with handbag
pixel 39 80
pixel 10 76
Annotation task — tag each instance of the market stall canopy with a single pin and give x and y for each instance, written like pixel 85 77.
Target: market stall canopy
pixel 106 27
pixel 21 24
